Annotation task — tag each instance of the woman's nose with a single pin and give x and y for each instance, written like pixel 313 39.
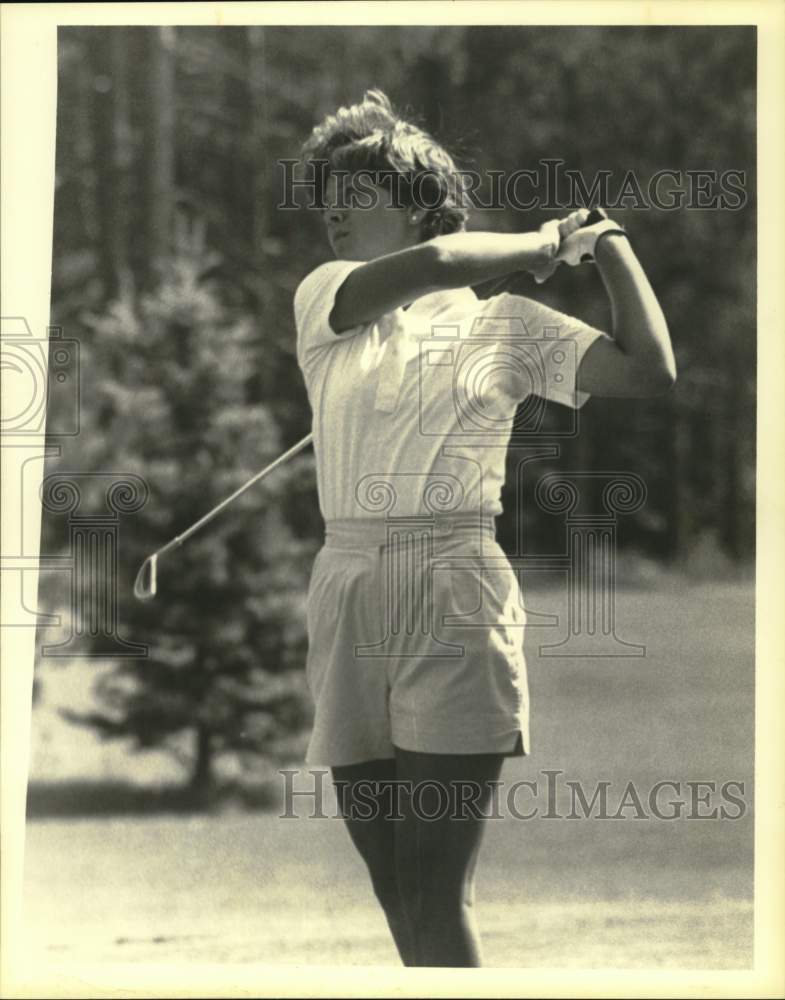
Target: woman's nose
pixel 335 214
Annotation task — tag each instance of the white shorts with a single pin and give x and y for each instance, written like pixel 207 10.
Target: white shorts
pixel 415 640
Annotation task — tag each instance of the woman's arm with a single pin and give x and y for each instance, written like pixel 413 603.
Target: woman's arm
pixel 451 261
pixel 639 360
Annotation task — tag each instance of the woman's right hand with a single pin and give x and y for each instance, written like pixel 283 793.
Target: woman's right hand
pixel 554 232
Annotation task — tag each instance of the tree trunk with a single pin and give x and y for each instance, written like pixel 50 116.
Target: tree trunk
pixel 257 74
pixel 111 141
pixel 202 777
pixel 85 149
pixel 161 144
pixel 122 164
pixel 676 443
pixel 430 80
pixel 731 511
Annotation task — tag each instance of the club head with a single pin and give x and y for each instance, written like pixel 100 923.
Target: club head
pixel 146 583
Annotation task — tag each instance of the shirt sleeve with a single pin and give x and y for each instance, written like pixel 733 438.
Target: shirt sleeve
pixel 313 302
pixel 542 347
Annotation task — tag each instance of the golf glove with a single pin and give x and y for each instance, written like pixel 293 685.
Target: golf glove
pixel 579 246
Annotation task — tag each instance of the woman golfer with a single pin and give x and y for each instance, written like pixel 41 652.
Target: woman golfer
pixel 415 617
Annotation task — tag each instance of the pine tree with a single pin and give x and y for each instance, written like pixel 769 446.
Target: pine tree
pixel 226 633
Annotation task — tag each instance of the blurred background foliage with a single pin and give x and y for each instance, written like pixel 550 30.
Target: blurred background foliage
pixel 175 269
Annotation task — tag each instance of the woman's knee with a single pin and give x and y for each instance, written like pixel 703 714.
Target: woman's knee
pixel 376 847
pixel 430 896
pixel 387 892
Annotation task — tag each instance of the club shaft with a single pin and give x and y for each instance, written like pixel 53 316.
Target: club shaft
pixel 225 503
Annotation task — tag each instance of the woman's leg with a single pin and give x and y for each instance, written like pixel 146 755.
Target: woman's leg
pixel 373 834
pixel 436 857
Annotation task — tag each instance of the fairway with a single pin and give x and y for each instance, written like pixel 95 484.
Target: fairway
pixel 630 892
pixel 257 889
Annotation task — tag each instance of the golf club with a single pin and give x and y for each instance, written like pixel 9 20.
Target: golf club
pixel 146 583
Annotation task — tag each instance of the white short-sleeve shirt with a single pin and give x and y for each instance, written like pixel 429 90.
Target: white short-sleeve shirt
pixel 412 414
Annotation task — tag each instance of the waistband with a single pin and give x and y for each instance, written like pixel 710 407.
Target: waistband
pixel 357 532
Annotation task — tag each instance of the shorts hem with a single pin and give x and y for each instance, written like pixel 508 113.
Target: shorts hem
pixel 484 734
pixel 326 752
pixel 508 739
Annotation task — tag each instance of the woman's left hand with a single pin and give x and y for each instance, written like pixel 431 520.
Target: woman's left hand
pixel 578 246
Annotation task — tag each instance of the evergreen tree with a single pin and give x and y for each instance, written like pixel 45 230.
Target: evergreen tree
pixel 226 632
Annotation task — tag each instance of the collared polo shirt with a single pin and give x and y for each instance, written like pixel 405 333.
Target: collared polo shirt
pixel 412 413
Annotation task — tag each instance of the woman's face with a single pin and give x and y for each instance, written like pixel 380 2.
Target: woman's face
pixel 361 222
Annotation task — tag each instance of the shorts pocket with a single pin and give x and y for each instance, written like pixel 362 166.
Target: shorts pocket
pixel 336 592
pixel 483 585
pixel 466 586
pixel 315 584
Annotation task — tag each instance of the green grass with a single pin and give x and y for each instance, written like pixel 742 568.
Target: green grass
pixel 627 893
